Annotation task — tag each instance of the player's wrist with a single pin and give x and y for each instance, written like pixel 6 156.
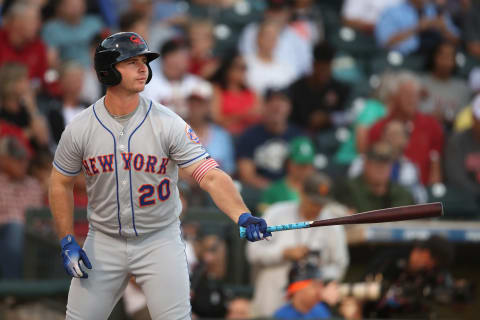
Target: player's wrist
pixel 243 218
pixel 68 239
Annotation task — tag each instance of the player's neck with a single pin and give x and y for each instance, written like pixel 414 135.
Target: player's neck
pixel 120 103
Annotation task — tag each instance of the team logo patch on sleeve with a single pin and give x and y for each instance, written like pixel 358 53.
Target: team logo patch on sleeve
pixel 191 134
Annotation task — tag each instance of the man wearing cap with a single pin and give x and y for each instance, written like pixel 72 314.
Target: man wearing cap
pixel 373 189
pixel 305 294
pixel 327 247
pixel 261 150
pixel 462 159
pixel 299 166
pixel 17 193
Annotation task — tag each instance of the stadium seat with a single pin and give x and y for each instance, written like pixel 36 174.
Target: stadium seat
pixel 394 60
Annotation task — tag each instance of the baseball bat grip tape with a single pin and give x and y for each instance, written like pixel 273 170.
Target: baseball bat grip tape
pixel 281 227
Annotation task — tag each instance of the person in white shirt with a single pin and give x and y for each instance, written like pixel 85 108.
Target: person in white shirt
pixel 327 246
pixel 171 83
pixel 263 69
pixel 291 49
pixel 362 15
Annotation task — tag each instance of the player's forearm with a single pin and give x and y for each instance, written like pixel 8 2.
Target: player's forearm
pixel 224 193
pixel 61 205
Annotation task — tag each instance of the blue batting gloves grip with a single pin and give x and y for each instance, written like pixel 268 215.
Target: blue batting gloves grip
pixel 72 254
pixel 253 227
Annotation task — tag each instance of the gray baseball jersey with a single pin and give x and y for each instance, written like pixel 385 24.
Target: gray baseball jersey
pixel 132 169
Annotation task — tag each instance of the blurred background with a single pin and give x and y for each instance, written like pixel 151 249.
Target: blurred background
pixel 316 108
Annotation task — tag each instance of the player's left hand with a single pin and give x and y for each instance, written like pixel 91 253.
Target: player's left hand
pixel 254 226
pixel 72 253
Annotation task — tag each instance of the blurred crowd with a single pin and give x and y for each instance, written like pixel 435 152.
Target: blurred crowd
pixel 316 108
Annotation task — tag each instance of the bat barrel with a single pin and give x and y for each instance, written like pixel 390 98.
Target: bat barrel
pixel 421 211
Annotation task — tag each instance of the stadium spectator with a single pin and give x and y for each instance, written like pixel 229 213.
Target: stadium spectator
pixel 20 43
pixel 291 49
pixel 447 94
pixel 261 150
pixel 229 18
pixel 413 26
pixel 374 189
pixel 235 105
pixel 299 166
pixel 472 29
pixel 134 21
pixel 171 83
pixel 326 248
pixel 18 104
pixel 18 192
pixel 214 138
pixel 464 119
pixel 307 21
pixel 239 308
pixel 92 90
pixel 318 99
pixel 425 146
pixel 40 168
pixel 161 20
pixel 462 156
pixel 372 110
pixel 263 70
pixel 362 15
pixel 62 111
pixel 208 296
pixel 404 172
pixel 305 292
pixel 71 31
pixel 203 62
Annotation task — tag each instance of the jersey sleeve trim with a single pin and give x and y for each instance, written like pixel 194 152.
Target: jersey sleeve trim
pixel 66 172
pixel 196 158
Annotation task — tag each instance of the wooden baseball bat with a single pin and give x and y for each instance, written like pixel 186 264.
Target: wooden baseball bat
pixel 419 211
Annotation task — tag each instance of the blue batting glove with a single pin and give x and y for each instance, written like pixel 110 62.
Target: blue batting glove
pixel 254 226
pixel 72 254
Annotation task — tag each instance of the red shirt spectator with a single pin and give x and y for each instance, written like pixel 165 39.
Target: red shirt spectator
pixel 426 141
pixel 239 107
pixel 19 41
pixel 18 191
pixel 235 106
pixel 7 129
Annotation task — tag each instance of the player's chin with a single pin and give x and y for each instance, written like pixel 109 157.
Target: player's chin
pixel 139 86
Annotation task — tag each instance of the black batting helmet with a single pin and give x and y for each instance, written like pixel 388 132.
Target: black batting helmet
pixel 116 48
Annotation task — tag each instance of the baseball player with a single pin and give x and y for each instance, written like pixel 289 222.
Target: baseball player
pixel 130 150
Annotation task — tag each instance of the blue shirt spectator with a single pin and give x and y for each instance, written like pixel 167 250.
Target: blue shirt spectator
pixel 71 31
pixel 220 147
pixel 407 20
pixel 319 311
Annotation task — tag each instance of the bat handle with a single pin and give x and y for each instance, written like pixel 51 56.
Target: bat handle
pixel 280 227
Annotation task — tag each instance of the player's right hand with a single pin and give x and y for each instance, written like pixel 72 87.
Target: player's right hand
pixel 254 226
pixel 72 253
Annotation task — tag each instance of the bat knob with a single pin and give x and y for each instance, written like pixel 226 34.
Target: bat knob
pixel 243 232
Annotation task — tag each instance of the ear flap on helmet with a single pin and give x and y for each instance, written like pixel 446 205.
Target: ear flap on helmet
pixel 109 77
pixel 149 73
